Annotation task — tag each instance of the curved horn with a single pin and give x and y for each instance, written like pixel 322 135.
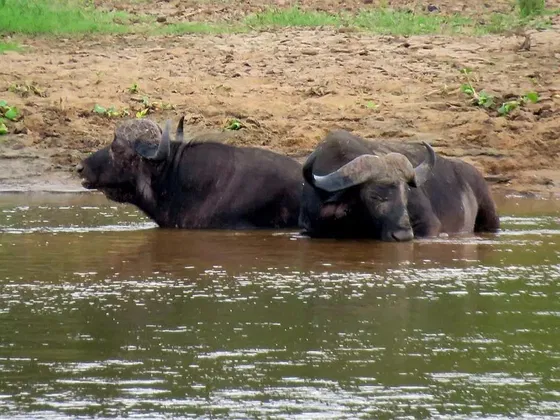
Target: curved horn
pixel 308 168
pixel 355 172
pixel 423 171
pixel 179 135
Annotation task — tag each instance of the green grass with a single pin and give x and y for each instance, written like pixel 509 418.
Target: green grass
pixel 9 46
pixel 58 17
pixel 500 23
pixel 530 7
pixel 395 22
pixel 379 21
pixel 293 16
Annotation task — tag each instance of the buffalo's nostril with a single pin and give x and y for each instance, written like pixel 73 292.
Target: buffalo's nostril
pixel 79 167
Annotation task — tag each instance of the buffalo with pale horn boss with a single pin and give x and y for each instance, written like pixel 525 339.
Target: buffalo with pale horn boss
pixel 195 184
pixel 389 190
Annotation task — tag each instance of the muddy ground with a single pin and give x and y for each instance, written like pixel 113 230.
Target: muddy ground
pixel 288 88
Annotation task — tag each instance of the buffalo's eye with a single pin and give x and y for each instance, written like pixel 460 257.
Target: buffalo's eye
pixel 378 196
pixel 381 193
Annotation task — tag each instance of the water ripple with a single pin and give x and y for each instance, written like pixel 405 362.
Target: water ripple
pixel 104 316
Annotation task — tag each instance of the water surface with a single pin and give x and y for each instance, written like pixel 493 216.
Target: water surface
pixel 104 314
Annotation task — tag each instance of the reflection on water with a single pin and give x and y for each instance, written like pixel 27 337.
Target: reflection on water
pixel 104 314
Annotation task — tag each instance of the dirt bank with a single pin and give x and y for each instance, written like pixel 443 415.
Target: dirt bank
pixel 288 88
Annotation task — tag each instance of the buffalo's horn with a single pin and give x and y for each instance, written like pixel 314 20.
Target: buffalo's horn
pixel 308 167
pixel 164 147
pixel 179 136
pixel 423 171
pixel 355 172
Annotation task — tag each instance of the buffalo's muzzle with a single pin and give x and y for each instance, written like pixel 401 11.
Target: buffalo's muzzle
pixel 403 235
pixel 79 168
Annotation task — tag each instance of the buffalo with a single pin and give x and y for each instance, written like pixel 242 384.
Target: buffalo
pixel 392 191
pixel 195 184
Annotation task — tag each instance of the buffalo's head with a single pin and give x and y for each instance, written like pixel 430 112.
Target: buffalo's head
pixel 378 185
pixel 125 168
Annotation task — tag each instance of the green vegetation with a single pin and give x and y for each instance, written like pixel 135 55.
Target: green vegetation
pixel 509 106
pixel 9 46
pixel 530 7
pixel 397 22
pixel 57 17
pixel 387 21
pixel 380 21
pixel 292 17
pixel 234 124
pixel 34 17
pixel 143 107
pixel 481 98
pixel 110 112
pixel 488 101
pixel 7 113
pixel 133 88
pixel 26 89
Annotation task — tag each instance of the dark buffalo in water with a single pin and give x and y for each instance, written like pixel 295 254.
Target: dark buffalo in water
pixel 391 191
pixel 195 184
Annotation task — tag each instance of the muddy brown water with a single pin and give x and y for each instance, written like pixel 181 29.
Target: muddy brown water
pixel 104 314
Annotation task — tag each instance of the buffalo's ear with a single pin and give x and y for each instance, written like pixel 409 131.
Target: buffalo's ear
pixel 146 150
pixel 156 152
pixel 412 182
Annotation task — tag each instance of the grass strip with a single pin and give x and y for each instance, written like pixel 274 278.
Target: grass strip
pixel 385 21
pixel 67 17
pixel 57 17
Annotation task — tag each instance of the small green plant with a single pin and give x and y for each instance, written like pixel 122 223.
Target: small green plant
pixel 371 105
pixel 234 124
pixel 485 100
pixel 12 113
pixel 7 112
pixel 142 113
pixel 149 107
pixel 26 89
pixel 133 88
pixel 531 97
pixel 507 107
pixel 110 112
pixel 481 98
